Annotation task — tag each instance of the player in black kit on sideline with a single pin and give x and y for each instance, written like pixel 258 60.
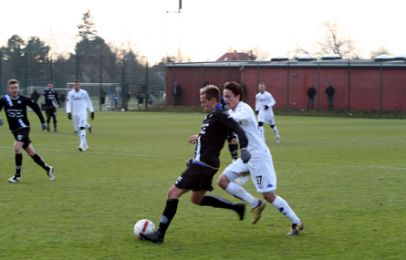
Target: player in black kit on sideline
pixel 201 169
pixel 51 103
pixel 15 108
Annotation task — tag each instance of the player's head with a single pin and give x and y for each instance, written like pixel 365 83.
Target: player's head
pixel 76 85
pixel 50 85
pixel 13 87
pixel 261 87
pixel 233 93
pixel 209 98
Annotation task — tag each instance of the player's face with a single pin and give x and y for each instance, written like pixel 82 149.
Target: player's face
pixel 76 86
pixel 14 90
pixel 261 87
pixel 230 99
pixel 207 105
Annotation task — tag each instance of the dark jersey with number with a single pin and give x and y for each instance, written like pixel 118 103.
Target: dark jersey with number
pixel 213 134
pixel 16 111
pixel 51 98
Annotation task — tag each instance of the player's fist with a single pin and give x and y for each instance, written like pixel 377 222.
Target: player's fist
pixel 44 126
pixel 92 115
pixel 266 107
pixel 245 155
pixel 70 116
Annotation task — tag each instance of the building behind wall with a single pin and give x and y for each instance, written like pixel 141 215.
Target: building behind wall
pixel 361 85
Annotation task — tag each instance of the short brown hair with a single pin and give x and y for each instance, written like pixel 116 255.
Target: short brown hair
pixel 211 91
pixel 235 87
pixel 12 81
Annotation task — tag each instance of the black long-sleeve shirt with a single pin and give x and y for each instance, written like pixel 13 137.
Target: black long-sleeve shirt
pixel 51 98
pixel 16 111
pixel 213 134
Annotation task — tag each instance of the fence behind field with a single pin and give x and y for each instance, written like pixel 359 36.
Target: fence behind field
pixel 112 84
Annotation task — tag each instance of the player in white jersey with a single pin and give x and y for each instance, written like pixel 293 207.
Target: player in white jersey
pixel 77 104
pixel 264 101
pixel 260 166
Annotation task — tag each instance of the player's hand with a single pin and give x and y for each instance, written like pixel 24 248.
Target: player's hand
pixel 44 126
pixel 92 116
pixel 70 116
pixel 245 155
pixel 266 107
pixel 192 139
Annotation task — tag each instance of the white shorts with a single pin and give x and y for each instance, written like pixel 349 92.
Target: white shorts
pixel 266 116
pixel 79 121
pixel 261 170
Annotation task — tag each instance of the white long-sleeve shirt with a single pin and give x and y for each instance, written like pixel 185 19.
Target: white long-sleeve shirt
pixel 245 116
pixel 264 99
pixel 78 102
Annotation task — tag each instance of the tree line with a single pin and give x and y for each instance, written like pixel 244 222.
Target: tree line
pixel 93 60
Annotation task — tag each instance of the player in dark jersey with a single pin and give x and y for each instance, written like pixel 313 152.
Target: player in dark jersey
pixel 51 103
pixel 200 171
pixel 15 108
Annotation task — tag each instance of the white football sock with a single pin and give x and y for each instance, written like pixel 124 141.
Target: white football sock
pixel 82 134
pixel 275 131
pixel 261 131
pixel 239 192
pixel 285 209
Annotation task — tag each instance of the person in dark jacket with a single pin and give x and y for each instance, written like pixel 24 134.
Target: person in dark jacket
pixel 330 91
pixel 311 93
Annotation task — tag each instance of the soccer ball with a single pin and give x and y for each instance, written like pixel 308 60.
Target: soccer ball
pixel 145 227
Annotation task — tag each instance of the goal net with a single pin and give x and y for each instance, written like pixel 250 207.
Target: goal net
pixel 104 96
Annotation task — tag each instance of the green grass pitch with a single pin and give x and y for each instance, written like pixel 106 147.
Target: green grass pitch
pixel 344 177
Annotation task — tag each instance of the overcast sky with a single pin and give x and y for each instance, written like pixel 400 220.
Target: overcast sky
pixel 206 29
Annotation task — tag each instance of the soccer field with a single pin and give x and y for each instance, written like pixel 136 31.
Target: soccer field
pixel 344 177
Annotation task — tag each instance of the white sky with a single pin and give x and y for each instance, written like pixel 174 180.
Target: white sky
pixel 206 29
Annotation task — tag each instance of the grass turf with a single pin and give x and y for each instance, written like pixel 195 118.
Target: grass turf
pixel 343 176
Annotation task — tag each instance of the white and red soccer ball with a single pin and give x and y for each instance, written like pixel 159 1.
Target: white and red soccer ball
pixel 145 227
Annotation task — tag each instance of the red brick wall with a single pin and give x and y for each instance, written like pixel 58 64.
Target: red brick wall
pixel 357 88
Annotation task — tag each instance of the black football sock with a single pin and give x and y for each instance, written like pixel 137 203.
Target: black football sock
pixel 54 120
pixel 233 148
pixel 39 161
pixel 167 216
pixel 217 202
pixel 19 162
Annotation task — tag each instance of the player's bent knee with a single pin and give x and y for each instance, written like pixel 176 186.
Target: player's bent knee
pixel 223 181
pixel 269 196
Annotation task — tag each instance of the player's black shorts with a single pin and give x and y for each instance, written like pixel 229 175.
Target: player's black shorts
pixel 196 178
pixel 22 135
pixel 50 111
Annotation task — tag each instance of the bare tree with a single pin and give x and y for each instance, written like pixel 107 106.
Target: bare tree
pixel 301 51
pixel 87 29
pixel 335 42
